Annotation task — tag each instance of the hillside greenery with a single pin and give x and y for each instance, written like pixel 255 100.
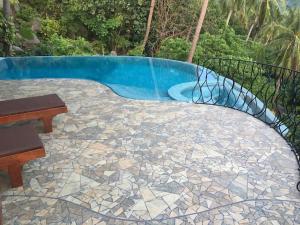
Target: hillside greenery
pixel 233 28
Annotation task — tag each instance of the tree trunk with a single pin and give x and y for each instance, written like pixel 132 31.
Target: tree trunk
pixel 152 5
pixel 189 34
pixel 250 32
pixel 7 15
pixel 198 30
pixel 251 29
pixel 6 9
pixel 295 63
pixel 229 17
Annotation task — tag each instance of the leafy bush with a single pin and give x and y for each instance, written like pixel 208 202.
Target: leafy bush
pixel 99 47
pixel 49 27
pixel 26 13
pixel 25 31
pixel 120 25
pixel 7 34
pixel 174 48
pixel 225 44
pixel 58 45
pixel 137 51
pixel 212 46
pixel 214 19
pixel 120 43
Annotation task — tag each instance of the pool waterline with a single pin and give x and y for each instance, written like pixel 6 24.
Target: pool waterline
pixel 139 78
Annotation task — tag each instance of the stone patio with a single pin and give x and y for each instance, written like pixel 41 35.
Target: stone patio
pixel 112 160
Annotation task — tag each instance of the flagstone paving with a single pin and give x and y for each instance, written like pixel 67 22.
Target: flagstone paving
pixel 112 160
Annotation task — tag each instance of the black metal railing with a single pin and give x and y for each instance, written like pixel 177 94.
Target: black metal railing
pixel 267 92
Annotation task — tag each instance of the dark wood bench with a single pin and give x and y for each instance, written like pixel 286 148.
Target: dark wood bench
pixel 18 145
pixel 42 107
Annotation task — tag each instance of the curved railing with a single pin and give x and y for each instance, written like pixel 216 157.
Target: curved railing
pixel 267 92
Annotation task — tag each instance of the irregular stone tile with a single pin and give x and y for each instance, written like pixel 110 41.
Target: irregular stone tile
pixel 112 160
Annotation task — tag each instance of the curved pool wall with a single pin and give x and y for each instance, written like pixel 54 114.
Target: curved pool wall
pixel 139 78
pixel 214 93
pixel 131 77
pixel 215 89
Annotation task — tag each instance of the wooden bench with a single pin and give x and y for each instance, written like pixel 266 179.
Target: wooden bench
pixel 42 107
pixel 18 145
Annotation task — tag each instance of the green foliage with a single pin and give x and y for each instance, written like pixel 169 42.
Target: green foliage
pixel 225 44
pixel 120 43
pixel 117 23
pixel 99 47
pixel 58 45
pixel 120 25
pixel 25 31
pixel 285 42
pixel 137 51
pixel 44 8
pixel 26 13
pixel 174 48
pixel 50 27
pixel 7 34
pixel 214 19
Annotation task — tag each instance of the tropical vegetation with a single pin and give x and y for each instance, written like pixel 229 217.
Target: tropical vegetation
pixel 263 30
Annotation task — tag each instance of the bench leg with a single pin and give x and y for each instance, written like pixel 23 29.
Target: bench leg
pixel 47 124
pixel 15 174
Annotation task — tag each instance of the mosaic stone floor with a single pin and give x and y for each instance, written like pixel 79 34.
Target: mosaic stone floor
pixel 112 160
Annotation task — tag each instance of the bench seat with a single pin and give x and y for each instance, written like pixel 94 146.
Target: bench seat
pixel 18 145
pixel 41 107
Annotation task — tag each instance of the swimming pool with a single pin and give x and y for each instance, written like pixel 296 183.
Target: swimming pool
pixel 140 78
pixel 130 77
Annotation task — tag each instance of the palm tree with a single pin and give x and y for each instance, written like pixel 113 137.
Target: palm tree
pixel 228 5
pixel 286 43
pixel 269 32
pixel 198 30
pixel 233 6
pixel 283 38
pixel 252 6
pixel 267 9
pixel 151 11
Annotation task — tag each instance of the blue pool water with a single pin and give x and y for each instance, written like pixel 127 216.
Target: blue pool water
pixel 139 78
pixel 130 77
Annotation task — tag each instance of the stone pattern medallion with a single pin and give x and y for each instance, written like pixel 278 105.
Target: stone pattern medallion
pixel 112 160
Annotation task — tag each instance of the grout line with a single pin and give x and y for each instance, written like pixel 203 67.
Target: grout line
pixel 157 220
